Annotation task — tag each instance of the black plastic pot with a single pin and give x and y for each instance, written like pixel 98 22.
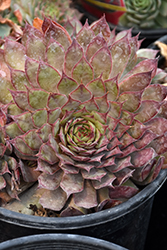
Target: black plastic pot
pixel 58 242
pixel 125 224
pixel 156 235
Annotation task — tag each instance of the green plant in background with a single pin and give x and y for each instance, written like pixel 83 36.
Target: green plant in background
pixel 15 13
pixel 58 9
pixel 80 117
pixel 145 14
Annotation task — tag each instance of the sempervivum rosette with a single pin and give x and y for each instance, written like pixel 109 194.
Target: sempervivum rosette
pixel 145 14
pixel 81 116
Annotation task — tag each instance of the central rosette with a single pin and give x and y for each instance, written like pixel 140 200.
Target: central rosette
pixel 81 135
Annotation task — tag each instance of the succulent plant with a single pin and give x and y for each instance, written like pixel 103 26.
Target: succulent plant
pixel 28 10
pixel 80 116
pixel 145 14
pixel 16 13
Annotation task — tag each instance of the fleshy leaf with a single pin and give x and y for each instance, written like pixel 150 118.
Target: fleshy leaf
pixel 14 54
pixel 96 87
pixel 57 32
pixel 38 98
pixel 112 88
pixel 90 105
pixel 19 79
pixel 5 95
pixel 120 53
pixel 123 175
pixel 56 100
pixel 13 130
pixel 102 63
pixel 139 161
pixel 136 82
pixel 50 182
pixel 21 100
pixel 22 147
pixel 48 200
pixel 154 92
pixel 86 198
pixel 54 48
pixel 82 72
pixel 101 26
pixel 71 104
pixel 48 77
pixel 106 181
pixel 32 139
pixel 28 30
pixel 53 115
pixel 147 65
pixel 93 174
pixel 102 103
pixel 24 121
pixel 46 168
pixel 31 69
pixel 127 190
pixel 47 154
pixel 72 210
pixel 115 110
pixel 2 182
pixel 81 93
pixel 40 117
pixel 96 43
pixel 72 183
pixel 160 144
pixel 126 140
pixel 66 85
pixel 45 131
pixel 147 110
pixel 29 173
pixel 35 48
pixel 157 125
pixel 131 100
pixel 73 55
pixel 149 173
pixel 137 129
pixel 145 140
pixel 85 35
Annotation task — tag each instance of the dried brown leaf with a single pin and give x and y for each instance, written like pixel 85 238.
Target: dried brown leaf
pixel 37 23
pixel 4 4
pixel 163 50
pixel 18 15
pixel 15 28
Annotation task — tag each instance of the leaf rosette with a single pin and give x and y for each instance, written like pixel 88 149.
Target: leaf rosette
pixel 145 14
pixel 80 116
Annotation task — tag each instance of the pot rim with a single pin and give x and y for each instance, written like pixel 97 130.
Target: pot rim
pixel 68 238
pixel 84 221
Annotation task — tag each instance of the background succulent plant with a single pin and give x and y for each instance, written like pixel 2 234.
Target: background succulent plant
pixel 14 14
pixel 145 14
pixel 80 116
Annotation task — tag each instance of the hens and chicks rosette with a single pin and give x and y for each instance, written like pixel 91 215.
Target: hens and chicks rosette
pixel 80 116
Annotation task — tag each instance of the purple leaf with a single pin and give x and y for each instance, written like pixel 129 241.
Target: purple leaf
pixel 87 198
pixel 72 183
pixel 48 200
pixel 50 182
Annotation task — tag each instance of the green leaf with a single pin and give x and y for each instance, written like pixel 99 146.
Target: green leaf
pixel 101 63
pixel 48 77
pixel 14 53
pixel 82 72
pixel 38 98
